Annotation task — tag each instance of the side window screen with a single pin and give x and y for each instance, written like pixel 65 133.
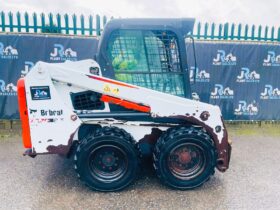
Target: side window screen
pixel 147 58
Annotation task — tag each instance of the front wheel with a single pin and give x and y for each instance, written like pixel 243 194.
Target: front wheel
pixel 107 159
pixel 184 157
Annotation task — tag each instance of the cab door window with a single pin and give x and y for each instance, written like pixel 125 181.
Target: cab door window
pixel 147 58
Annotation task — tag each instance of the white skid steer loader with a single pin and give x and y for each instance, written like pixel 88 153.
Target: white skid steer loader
pixel 75 108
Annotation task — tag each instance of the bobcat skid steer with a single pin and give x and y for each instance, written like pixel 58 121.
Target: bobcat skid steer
pixel 85 109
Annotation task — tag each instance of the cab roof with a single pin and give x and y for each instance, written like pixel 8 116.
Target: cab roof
pixel 182 26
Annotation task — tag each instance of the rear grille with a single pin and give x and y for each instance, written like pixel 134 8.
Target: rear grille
pixel 87 100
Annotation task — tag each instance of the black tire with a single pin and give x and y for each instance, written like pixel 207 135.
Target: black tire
pixel 107 159
pixel 184 157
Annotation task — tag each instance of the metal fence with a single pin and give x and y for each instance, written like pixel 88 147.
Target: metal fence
pixel 236 32
pixel 42 23
pixel 93 25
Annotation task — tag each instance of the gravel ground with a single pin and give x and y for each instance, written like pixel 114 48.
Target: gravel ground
pixel 50 182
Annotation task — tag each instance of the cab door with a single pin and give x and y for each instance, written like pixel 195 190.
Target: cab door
pixel 147 58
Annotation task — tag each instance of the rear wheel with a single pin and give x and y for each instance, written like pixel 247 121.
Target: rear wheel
pixel 184 157
pixel 107 159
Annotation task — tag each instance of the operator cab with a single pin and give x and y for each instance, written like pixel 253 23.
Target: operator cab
pixel 149 53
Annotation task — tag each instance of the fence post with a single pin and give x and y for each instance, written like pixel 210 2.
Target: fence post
pixel 206 30
pixel 232 31
pixel 253 32
pixel 90 19
pixel 212 30
pixel 278 36
pixel 259 32
pixel 43 22
pixel 104 21
pixel 198 30
pixel 220 31
pixel 246 32
pixel 272 34
pixel 11 24
pixel 98 32
pixel 35 25
pixel 58 20
pixel 226 31
pixel 74 19
pixel 26 18
pixel 266 33
pixel 239 31
pixel 51 25
pixel 18 22
pixel 3 21
pixel 66 20
pixel 82 19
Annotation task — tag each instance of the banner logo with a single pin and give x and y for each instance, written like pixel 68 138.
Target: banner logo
pixel 201 76
pixel 272 59
pixel 222 93
pixel 224 60
pixel 27 67
pixel 7 90
pixel 244 109
pixel 270 93
pixel 59 54
pixel 247 76
pixel 8 52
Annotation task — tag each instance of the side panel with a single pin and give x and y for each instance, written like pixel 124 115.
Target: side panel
pixel 52 123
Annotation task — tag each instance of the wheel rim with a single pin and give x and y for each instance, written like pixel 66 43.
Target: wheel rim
pixel 108 163
pixel 186 161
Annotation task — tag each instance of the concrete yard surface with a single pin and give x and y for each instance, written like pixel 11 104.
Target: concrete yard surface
pixel 50 182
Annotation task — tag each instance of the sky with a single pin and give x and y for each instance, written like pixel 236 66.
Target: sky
pixel 258 12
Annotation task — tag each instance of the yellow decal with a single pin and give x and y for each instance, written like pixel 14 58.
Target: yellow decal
pixel 115 91
pixel 108 89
